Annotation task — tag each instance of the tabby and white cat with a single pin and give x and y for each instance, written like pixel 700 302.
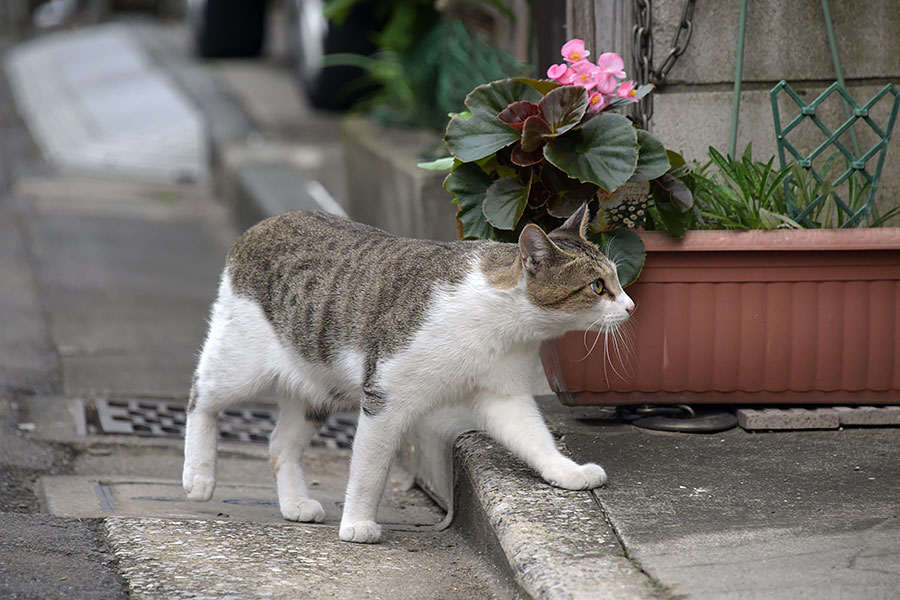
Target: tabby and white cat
pixel 337 314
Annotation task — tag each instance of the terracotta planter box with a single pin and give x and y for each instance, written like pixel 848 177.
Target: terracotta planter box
pixel 774 317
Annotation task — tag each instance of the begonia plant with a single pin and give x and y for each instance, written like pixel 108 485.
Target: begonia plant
pixel 532 151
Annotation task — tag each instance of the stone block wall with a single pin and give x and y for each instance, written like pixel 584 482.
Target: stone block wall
pixel 785 39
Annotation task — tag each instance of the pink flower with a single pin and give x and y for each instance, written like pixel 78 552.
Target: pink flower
pixel 568 78
pixel 610 68
pixel 562 74
pixel 597 102
pixel 612 63
pixel 626 90
pixel 585 74
pixel 573 50
pixel 557 71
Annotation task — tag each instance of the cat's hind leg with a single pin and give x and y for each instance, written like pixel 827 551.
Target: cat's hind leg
pixel 293 433
pixel 234 367
pixel 201 433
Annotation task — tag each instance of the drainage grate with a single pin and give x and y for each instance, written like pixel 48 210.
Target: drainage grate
pixel 166 418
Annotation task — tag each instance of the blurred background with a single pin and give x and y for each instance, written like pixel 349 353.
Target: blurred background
pixel 410 63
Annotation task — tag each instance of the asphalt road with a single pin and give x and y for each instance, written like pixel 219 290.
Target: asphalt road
pixel 41 556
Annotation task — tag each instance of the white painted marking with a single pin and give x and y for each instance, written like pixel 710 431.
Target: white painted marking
pixel 95 102
pixel 325 200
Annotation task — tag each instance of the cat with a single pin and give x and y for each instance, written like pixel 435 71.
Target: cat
pixel 338 314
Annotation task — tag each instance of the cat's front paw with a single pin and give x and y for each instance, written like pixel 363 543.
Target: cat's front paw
pixel 576 477
pixel 305 510
pixel 198 485
pixel 362 532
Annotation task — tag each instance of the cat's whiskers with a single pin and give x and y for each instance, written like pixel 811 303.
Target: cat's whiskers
pixel 624 351
pixel 601 330
pixel 617 343
pixel 615 334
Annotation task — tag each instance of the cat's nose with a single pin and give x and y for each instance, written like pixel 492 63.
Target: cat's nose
pixel 629 305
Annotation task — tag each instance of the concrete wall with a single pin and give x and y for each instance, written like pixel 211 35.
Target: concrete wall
pixel 785 39
pixel 386 189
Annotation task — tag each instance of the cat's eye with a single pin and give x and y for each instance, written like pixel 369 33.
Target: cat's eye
pixel 598 287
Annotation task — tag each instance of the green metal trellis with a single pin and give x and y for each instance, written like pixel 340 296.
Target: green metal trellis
pixel 856 162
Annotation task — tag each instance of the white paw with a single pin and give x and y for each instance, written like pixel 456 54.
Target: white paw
pixel 305 510
pixel 363 532
pixel 576 477
pixel 198 486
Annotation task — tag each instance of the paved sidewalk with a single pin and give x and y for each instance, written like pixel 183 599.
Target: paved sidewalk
pixel 780 515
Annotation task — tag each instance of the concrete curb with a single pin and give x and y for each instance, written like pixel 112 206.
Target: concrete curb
pixel 557 543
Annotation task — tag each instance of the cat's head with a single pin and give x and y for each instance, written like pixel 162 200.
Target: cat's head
pixel 568 274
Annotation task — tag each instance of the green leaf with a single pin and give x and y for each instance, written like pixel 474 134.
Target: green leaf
pixel 505 202
pixel 669 218
pixel 566 194
pixel 675 159
pixel 772 220
pixel 483 133
pixel 653 161
pixel 626 249
pixel 492 166
pixel 468 184
pixel 878 221
pixel 639 94
pixel 564 107
pixel 542 86
pixel 604 151
pixel 680 168
pixel 674 191
pixel 441 164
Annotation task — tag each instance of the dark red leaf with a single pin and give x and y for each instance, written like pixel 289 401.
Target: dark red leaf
pixel 538 195
pixel 515 114
pixel 525 159
pixel 533 132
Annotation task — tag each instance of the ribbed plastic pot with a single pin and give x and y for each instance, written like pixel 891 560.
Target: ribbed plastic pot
pixel 773 317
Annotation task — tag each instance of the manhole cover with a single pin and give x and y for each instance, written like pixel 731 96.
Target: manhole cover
pixel 166 418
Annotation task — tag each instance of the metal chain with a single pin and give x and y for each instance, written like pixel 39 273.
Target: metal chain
pixel 642 52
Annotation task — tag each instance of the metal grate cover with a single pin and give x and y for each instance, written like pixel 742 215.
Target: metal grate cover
pixel 166 418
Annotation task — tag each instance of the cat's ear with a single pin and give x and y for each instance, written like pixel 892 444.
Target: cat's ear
pixel 579 221
pixel 536 248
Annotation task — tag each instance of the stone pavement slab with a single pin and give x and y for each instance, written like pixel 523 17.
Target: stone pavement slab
pixel 810 514
pixel 145 481
pixel 127 272
pixel 217 559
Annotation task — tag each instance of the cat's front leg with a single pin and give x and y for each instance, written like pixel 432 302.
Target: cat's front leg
pixel 373 447
pixel 516 423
